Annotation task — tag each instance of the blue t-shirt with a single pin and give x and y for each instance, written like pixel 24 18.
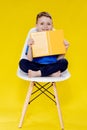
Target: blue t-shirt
pixel 45 59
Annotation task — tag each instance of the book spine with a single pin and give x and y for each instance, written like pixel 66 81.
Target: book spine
pixel 49 43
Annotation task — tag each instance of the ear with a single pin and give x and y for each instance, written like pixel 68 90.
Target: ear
pixel 37 27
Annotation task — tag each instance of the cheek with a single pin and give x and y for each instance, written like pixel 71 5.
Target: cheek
pixel 50 27
pixel 39 27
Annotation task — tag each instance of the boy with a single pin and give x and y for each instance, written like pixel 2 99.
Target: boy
pixel 47 65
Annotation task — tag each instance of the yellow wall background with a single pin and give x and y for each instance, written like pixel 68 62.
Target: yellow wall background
pixel 16 18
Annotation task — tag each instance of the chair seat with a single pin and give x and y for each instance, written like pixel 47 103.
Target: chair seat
pixel 64 75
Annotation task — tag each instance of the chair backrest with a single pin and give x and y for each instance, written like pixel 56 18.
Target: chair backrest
pixel 65 75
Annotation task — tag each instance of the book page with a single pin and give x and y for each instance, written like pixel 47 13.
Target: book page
pixel 56 42
pixel 40 46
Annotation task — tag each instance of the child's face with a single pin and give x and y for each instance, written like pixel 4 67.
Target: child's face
pixel 44 24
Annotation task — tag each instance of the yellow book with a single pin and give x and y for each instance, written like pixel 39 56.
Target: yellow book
pixel 48 43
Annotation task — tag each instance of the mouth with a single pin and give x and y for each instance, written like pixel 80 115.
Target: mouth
pixel 45 29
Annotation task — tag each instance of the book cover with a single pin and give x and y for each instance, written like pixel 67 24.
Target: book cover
pixel 48 43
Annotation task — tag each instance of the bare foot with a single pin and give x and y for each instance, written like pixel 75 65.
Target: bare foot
pixel 32 73
pixel 56 74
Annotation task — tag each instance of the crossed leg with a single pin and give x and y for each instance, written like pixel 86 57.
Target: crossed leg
pixel 32 73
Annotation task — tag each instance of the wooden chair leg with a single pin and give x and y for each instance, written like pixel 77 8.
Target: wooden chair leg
pixel 58 106
pixel 26 103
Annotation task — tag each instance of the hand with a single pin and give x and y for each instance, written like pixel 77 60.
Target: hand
pixel 66 43
pixel 30 42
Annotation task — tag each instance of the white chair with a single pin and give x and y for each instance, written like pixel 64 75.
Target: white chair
pixel 49 81
pixel 34 82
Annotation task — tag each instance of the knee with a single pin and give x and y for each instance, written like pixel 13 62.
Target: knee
pixel 21 62
pixel 63 64
pixel 23 65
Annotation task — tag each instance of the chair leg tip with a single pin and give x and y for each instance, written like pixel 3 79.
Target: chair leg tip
pixel 19 126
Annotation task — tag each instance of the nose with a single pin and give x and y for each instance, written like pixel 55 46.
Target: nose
pixel 45 27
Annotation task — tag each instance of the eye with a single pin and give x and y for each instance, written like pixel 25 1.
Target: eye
pixel 48 23
pixel 42 23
